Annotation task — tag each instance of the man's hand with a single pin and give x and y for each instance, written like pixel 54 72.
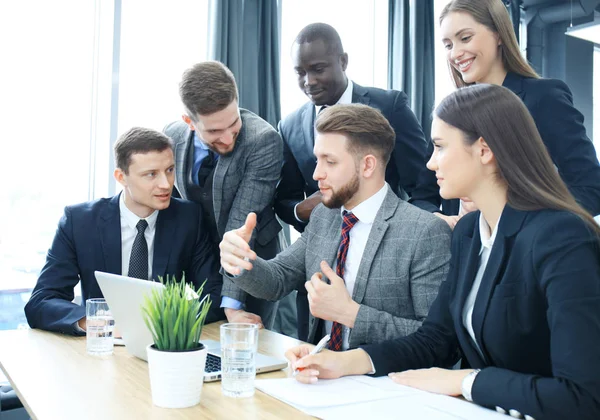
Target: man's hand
pixel 331 302
pixel 451 220
pixel 239 315
pixel 305 207
pixel 82 323
pixel 235 249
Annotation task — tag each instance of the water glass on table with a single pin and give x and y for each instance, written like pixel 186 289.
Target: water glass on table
pixel 99 327
pixel 239 342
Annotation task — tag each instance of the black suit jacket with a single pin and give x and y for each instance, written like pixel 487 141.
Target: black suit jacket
pixel 297 131
pixel 560 124
pixel 536 317
pixel 88 238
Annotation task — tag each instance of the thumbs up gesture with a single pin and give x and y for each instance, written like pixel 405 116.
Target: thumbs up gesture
pixel 331 302
pixel 235 249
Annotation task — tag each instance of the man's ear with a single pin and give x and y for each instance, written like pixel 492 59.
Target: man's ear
pixel 188 121
pixel 120 177
pixel 369 165
pixel 344 61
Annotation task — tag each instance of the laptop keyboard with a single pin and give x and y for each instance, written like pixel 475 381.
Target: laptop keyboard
pixel 213 363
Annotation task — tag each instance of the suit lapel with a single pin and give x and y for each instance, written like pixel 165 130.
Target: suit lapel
pixel 109 231
pixel 308 127
pixel 221 170
pixel 514 82
pixel 181 161
pixel 380 226
pixel 510 223
pixel 163 240
pixel 360 95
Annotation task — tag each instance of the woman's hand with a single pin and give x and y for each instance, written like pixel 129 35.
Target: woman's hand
pixel 326 364
pixel 439 381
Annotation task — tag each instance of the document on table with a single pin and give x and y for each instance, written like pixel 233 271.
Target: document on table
pixel 368 397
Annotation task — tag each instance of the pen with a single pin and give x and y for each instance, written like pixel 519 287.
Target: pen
pixel 320 346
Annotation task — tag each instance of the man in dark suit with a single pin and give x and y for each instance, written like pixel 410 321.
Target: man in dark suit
pixel 142 232
pixel 320 63
pixel 228 161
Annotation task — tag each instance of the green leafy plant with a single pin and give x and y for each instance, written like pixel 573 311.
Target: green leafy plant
pixel 174 317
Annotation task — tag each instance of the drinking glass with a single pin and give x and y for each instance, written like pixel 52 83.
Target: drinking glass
pixel 99 327
pixel 239 342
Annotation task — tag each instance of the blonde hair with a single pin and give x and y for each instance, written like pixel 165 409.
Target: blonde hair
pixel 493 15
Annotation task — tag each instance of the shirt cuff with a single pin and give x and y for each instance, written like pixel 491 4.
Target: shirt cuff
pixel 227 302
pixel 296 214
pixel 78 328
pixel 372 372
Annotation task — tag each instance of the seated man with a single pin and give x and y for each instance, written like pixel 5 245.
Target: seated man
pixel 142 232
pixel 390 260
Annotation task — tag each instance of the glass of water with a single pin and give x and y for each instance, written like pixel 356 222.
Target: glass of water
pixel 99 327
pixel 239 342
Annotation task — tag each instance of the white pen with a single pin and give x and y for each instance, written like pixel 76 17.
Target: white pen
pixel 320 346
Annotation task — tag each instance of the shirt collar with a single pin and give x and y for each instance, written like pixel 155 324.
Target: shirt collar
pixel 345 99
pixel 487 240
pixel 198 141
pixel 367 210
pixel 131 219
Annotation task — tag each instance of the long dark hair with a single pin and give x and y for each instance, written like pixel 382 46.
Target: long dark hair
pixel 498 116
pixel 493 15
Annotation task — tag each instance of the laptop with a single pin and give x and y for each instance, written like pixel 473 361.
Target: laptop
pixel 125 296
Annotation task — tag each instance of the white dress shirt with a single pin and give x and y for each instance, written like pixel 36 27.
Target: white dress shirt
pixel 487 241
pixel 345 99
pixel 128 233
pixel 359 235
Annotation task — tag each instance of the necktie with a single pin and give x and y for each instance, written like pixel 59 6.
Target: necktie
pixel 206 167
pixel 335 343
pixel 323 108
pixel 138 262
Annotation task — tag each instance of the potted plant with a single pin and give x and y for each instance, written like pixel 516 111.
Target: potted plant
pixel 175 317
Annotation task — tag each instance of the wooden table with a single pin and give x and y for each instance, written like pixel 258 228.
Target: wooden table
pixel 56 379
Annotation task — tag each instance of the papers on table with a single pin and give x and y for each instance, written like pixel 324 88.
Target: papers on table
pixel 368 397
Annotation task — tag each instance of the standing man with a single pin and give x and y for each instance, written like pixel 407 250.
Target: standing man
pixel 228 161
pixel 370 262
pixel 320 64
pixel 141 232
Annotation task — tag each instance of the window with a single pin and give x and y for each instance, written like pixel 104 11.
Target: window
pixel 64 82
pixel 45 82
pixel 363 28
pixel 596 100
pixel 443 81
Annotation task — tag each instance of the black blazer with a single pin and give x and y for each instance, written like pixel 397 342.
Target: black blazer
pixel 297 131
pixel 88 238
pixel 536 317
pixel 560 124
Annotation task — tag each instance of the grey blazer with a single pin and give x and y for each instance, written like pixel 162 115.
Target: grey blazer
pixel 404 262
pixel 244 181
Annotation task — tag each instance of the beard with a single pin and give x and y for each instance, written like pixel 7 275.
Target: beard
pixel 343 195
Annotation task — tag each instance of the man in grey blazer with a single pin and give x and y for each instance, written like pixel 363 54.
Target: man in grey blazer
pixel 389 257
pixel 228 160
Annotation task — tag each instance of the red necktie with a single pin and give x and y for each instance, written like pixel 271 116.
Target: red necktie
pixel 335 343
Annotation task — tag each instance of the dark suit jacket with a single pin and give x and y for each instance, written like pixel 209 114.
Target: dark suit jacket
pixel 297 131
pixel 536 317
pixel 88 238
pixel 550 103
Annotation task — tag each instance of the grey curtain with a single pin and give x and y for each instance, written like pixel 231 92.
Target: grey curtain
pixel 411 55
pixel 244 35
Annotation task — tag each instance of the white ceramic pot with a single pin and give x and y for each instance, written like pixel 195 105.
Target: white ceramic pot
pixel 176 378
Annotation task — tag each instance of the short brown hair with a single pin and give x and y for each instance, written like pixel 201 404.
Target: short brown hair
pixel 207 88
pixel 367 130
pixel 139 140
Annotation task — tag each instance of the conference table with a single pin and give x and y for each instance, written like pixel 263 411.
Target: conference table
pixel 56 379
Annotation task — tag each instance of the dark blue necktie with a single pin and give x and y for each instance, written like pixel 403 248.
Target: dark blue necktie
pixel 138 262
pixel 206 167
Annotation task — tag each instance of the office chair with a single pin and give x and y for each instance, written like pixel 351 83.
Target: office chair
pixel 8 399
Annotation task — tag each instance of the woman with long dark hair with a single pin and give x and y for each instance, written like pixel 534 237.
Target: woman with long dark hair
pixel 482 48
pixel 521 303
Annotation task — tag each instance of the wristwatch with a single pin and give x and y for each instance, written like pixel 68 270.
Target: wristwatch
pixel 467 384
